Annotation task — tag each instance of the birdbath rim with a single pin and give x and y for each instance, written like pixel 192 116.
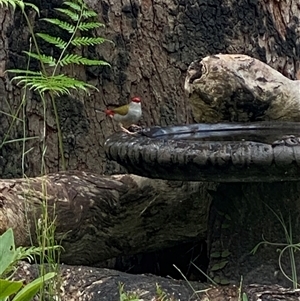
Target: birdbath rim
pixel 211 152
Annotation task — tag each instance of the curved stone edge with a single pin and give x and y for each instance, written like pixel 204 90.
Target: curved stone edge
pixel 227 161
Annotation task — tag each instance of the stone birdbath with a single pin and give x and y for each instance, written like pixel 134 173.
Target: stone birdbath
pixel 246 142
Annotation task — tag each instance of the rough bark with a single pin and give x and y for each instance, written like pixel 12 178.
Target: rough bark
pixel 92 284
pixel 240 88
pixel 101 217
pixel 154 44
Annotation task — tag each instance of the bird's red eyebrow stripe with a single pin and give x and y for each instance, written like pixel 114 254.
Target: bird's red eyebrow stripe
pixel 135 99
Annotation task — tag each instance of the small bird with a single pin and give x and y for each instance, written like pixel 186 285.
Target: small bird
pixel 127 115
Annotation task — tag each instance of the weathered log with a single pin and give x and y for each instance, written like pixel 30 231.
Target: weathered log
pixel 227 87
pixel 101 217
pixel 86 283
pixel 187 156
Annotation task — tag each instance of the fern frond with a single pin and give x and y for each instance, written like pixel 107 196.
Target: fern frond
pixel 49 60
pixel 89 14
pixel 18 3
pixel 32 6
pixel 87 41
pixel 72 15
pixel 19 71
pixel 64 25
pixel 58 84
pixel 58 42
pixel 73 5
pixel 79 60
pixel 7 3
pixel 84 26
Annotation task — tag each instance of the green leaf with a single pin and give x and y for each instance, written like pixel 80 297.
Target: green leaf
pixel 77 59
pixel 87 41
pixel 33 7
pixel 225 226
pixel 72 15
pixel 89 13
pixel 58 84
pixel 7 3
pixel 84 26
pixel 7 250
pixel 42 58
pixel 21 4
pixel 227 217
pixel 31 289
pixel 9 288
pixel 73 5
pixel 62 24
pixel 225 253
pixel 219 265
pixel 221 280
pixel 19 71
pixel 215 255
pixel 58 42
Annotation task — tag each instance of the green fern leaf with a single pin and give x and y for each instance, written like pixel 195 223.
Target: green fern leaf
pixel 32 6
pixel 58 84
pixel 79 60
pixel 89 14
pixel 64 25
pixel 21 5
pixel 95 62
pixel 84 26
pixel 42 58
pixel 87 41
pixel 18 3
pixel 72 15
pixel 58 42
pixel 7 3
pixel 73 5
pixel 70 59
pixel 19 71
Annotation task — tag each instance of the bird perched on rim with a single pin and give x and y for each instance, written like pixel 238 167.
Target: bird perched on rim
pixel 126 115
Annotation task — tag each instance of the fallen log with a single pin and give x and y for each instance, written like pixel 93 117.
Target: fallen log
pixel 100 217
pixel 89 283
pixel 236 87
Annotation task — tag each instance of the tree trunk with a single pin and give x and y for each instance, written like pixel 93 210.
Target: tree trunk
pixel 109 216
pixel 154 45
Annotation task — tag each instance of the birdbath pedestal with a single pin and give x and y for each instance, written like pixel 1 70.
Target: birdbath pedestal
pixel 256 174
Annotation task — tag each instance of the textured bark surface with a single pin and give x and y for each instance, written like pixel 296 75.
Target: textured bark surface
pixel 154 44
pixel 240 88
pixel 92 284
pixel 101 217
